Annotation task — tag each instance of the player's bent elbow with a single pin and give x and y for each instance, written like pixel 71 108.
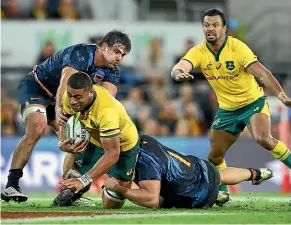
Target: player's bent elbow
pixel 154 203
pixel 114 156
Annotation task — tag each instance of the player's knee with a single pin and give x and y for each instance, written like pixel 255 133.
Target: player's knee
pixel 112 200
pixel 265 141
pixel 36 125
pixel 215 159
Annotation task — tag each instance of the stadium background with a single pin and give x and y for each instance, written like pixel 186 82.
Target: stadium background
pixel 161 31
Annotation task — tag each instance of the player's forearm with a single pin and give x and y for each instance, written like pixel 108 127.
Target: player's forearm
pixel 62 133
pixel 270 81
pixel 110 87
pixel 68 163
pixel 266 77
pixel 105 163
pixel 66 73
pixel 61 90
pixel 140 196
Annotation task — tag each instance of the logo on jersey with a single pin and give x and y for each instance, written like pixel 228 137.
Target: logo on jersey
pixel 129 172
pixel 38 111
pixel 216 122
pixel 218 66
pixel 98 78
pixel 208 67
pixel 93 124
pixel 33 99
pixel 209 77
pixel 256 109
pixel 225 77
pixel 229 65
pixel 79 162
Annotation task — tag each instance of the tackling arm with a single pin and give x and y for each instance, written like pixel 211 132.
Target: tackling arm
pixel 147 195
pixel 110 87
pixel 61 118
pixel 66 73
pixel 111 147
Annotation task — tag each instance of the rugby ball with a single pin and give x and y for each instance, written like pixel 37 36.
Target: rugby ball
pixel 76 130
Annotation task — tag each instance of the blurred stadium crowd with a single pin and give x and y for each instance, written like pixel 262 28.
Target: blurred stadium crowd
pixel 64 9
pixel 157 104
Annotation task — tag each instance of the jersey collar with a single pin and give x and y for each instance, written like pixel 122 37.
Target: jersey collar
pixel 216 55
pixel 87 109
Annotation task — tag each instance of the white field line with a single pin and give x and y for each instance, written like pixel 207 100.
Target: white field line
pixel 242 199
pixel 112 216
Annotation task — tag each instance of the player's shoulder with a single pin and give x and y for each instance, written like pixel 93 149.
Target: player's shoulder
pixel 81 45
pixel 81 48
pixel 235 43
pixel 105 99
pixel 199 48
pixel 100 90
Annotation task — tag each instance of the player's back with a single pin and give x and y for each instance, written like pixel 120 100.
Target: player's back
pixel 79 57
pixel 183 178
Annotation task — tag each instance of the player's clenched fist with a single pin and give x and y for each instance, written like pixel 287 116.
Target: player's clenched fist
pixel 75 148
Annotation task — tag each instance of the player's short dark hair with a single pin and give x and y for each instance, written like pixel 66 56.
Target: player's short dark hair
pixel 80 80
pixel 117 37
pixel 214 12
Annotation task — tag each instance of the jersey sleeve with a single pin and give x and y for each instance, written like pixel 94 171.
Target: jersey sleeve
pixel 193 56
pixel 76 57
pixel 112 76
pixel 66 105
pixel 245 55
pixel 108 123
pixel 148 168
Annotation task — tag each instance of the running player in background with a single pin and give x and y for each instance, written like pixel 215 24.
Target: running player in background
pixel 169 179
pixel 231 68
pixel 40 93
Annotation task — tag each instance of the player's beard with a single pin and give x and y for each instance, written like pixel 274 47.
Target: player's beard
pixel 213 40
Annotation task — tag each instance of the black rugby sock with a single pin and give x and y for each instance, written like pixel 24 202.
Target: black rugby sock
pixel 255 174
pixel 13 178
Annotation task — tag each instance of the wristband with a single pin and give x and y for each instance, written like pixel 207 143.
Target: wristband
pixel 281 96
pixel 85 179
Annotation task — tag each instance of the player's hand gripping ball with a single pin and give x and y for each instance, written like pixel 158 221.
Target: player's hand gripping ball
pixel 77 137
pixel 76 130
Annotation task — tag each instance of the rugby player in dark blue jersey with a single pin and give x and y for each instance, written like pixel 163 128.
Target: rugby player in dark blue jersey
pixel 40 92
pixel 168 179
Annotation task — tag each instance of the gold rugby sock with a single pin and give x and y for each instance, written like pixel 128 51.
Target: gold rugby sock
pixel 282 153
pixel 222 166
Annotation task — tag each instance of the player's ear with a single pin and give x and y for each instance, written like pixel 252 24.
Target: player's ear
pixel 225 29
pixel 104 46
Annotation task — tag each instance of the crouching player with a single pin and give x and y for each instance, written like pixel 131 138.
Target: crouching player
pixel 114 143
pixel 168 179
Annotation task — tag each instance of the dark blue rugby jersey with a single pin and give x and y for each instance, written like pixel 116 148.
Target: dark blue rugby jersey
pixel 184 179
pixel 79 57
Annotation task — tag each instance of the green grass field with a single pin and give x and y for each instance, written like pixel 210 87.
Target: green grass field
pixel 247 208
